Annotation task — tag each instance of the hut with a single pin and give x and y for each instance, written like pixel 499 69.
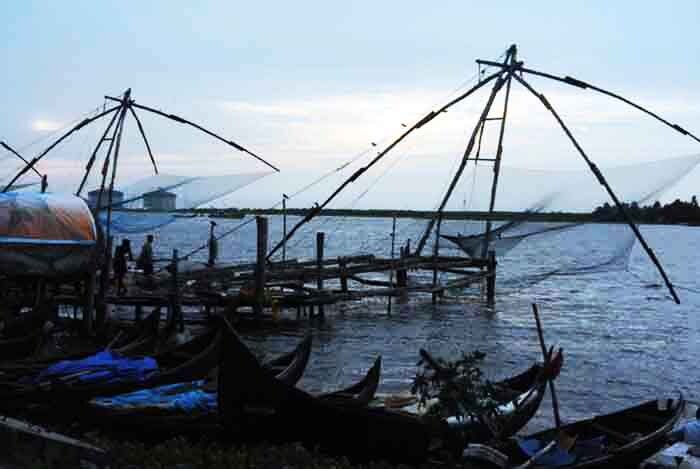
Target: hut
pixel 159 200
pixel 117 198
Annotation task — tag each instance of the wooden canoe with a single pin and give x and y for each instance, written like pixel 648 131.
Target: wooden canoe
pixel 618 440
pixel 261 408
pixel 187 362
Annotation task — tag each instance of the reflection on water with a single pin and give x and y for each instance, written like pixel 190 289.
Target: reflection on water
pixel 624 339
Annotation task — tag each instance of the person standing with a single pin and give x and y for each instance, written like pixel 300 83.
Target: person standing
pixel 122 254
pixel 145 261
pixel 213 245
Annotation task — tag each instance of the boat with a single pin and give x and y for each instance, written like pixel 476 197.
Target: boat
pixel 140 340
pixel 617 440
pixel 181 409
pixel 191 408
pixel 45 235
pixel 187 362
pixel 261 408
pixel 517 400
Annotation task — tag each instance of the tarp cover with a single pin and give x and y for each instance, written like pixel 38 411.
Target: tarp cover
pixel 31 218
pixel 103 367
pixel 183 397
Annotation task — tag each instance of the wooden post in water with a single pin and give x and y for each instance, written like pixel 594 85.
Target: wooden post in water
pixel 284 229
pixel 343 264
pixel 320 238
pixel 44 183
pixel 546 357
pixel 491 278
pixel 391 272
pixel 101 307
pixel 89 300
pixel 175 307
pixel 260 266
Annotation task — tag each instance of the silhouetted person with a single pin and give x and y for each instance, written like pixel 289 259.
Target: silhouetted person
pixel 145 261
pixel 213 245
pixel 122 254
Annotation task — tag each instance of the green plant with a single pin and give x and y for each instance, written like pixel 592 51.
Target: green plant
pixel 457 385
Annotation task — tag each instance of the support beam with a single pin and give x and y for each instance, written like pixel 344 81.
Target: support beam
pixel 320 240
pixel 260 265
pixel 74 129
pixel 145 140
pixel 93 157
pixel 584 85
pixel 14 152
pixel 601 179
pixel 198 127
pixel 499 155
pixel 465 158
pixel 426 119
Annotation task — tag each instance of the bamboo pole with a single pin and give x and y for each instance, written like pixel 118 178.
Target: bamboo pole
pixel 14 152
pixel 497 163
pixel 115 160
pixel 93 157
pixel 75 128
pixel 391 272
pixel 547 357
pixel 601 179
pixel 143 136
pixel 465 158
pixel 198 127
pixel 420 123
pixel 320 239
pixel 584 85
pixel 260 266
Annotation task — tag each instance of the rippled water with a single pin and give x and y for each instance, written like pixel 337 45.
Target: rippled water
pixel 624 339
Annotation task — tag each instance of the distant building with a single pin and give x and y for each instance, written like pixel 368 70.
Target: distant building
pixel 117 198
pixel 159 200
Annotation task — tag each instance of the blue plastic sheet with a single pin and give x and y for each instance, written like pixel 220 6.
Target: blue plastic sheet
pixel 103 367
pixel 184 397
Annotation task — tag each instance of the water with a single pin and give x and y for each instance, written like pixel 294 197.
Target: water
pixel 623 337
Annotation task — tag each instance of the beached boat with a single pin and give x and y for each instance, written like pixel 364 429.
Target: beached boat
pixel 75 382
pixel 517 400
pixel 618 440
pixel 190 409
pixel 45 235
pixel 261 408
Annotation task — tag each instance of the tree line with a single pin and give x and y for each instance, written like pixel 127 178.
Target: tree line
pixel 676 212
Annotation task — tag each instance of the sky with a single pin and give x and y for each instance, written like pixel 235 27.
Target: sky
pixel 309 85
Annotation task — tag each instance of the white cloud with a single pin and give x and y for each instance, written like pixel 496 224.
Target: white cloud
pixel 45 125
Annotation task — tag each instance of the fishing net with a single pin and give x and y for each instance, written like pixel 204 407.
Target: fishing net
pixel 142 200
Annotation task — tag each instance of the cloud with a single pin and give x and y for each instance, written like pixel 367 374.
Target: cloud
pixel 45 125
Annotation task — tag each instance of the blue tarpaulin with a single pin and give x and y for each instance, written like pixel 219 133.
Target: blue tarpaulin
pixel 185 397
pixel 103 367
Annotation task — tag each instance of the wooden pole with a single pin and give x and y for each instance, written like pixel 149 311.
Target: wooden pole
pixel 465 158
pixel 117 146
pixel 499 155
pixel 342 264
pixel 105 273
pixel 320 238
pixel 603 182
pixel 491 278
pixel 425 120
pixel 44 183
pixel 89 301
pixel 175 306
pixel 391 272
pixel 260 266
pixel 75 128
pixel 546 357
pixel 284 227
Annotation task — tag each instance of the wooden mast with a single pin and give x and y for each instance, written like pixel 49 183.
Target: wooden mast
pixel 423 121
pixel 117 146
pixel 499 153
pixel 601 179
pixel 465 158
